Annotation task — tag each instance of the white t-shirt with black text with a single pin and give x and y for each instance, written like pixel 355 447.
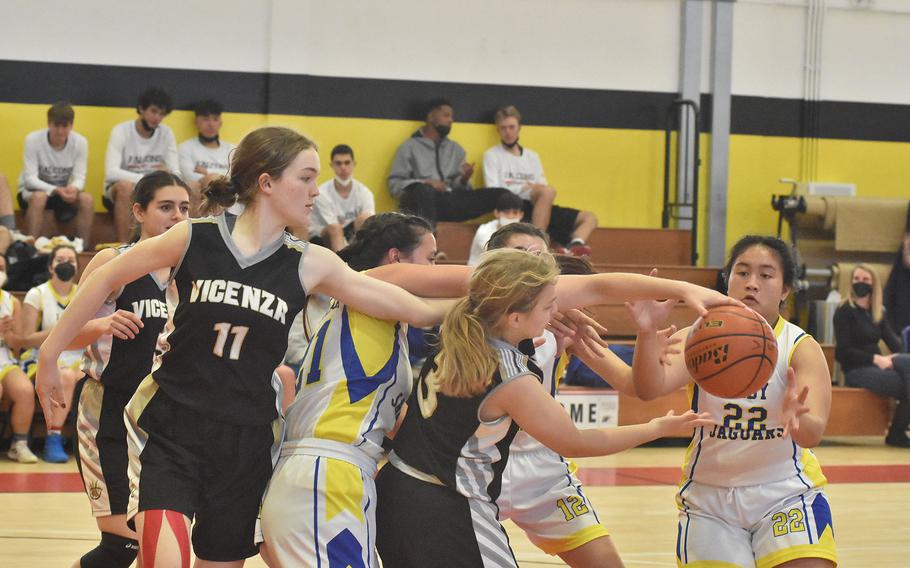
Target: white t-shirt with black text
pixel 46 169
pixel 130 156
pixel 501 168
pixel 193 153
pixel 332 208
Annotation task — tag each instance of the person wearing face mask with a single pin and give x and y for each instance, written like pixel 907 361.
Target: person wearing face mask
pixel 518 169
pixel 43 306
pixel 508 210
pixel 135 148
pixel 206 155
pixel 430 176
pixel 860 323
pixel 343 203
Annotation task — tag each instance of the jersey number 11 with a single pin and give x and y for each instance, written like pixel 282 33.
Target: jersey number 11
pixel 224 329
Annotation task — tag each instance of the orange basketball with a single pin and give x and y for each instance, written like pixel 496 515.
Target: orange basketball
pixel 731 352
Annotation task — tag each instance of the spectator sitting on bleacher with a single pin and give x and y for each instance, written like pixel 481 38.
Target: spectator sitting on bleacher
pixel 14 385
pixel 47 302
pixel 897 292
pixel 7 217
pixel 53 175
pixel 508 210
pixel 137 147
pixel 205 156
pixel 343 203
pixel 518 169
pixel 859 325
pixel 430 176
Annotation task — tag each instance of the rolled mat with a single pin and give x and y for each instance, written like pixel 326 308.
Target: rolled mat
pixel 869 225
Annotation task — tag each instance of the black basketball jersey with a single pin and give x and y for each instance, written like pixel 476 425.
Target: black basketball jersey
pixel 121 364
pixel 231 323
pixel 442 437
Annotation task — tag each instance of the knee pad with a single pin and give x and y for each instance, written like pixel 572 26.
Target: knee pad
pixel 114 552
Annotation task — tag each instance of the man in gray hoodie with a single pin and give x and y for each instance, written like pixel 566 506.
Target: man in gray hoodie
pixel 430 176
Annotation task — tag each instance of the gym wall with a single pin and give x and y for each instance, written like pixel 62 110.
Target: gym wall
pixel 591 77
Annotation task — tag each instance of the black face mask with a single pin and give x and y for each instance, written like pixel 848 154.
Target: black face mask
pixel 65 271
pixel 442 129
pixel 512 145
pixel 862 289
pixel 207 140
pixel 146 126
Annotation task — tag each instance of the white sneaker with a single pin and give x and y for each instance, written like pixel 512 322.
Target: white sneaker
pixel 19 452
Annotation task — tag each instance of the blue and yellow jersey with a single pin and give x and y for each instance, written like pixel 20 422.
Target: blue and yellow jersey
pixel 353 381
pixel 747 446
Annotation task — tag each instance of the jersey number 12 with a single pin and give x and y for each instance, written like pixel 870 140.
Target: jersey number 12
pixel 224 329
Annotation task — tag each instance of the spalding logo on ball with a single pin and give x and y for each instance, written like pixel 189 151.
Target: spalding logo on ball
pixel 731 352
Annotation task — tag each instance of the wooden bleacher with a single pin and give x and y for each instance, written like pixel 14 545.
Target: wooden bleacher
pixel 664 247
pixel 102 226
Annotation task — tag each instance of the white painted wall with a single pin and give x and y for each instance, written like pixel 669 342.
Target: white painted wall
pixel 599 44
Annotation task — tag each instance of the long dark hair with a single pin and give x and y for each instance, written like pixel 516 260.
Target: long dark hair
pixel 781 249
pixel 383 232
pixel 144 192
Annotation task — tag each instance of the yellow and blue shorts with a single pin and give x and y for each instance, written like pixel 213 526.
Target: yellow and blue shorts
pixel 757 526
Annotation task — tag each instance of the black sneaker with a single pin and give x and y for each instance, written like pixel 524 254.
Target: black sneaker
pixel 898 441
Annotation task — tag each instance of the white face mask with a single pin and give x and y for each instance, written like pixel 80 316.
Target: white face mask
pixel 344 182
pixel 503 221
pixel 2 279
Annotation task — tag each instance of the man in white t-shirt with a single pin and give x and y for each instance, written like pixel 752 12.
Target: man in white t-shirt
pixel 138 147
pixel 519 170
pixel 53 175
pixel 206 156
pixel 343 203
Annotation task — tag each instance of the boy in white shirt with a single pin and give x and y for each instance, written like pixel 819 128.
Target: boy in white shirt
pixel 519 170
pixel 53 175
pixel 206 156
pixel 138 147
pixel 343 203
pixel 509 209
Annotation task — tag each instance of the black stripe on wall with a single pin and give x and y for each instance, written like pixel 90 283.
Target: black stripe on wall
pixel 262 93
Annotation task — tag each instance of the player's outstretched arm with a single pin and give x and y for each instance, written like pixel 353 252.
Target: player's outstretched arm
pixel 532 408
pixel 807 401
pixel 325 273
pixel 658 367
pixel 590 290
pixel 426 281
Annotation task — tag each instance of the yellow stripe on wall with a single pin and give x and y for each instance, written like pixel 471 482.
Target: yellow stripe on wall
pixel 616 173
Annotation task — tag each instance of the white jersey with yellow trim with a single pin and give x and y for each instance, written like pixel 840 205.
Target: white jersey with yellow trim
pixel 352 384
pixel 6 309
pixel 50 306
pixel 747 446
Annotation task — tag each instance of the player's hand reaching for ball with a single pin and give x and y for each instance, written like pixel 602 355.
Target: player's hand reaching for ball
pixel 700 299
pixel 794 404
pixel 672 423
pixel 574 329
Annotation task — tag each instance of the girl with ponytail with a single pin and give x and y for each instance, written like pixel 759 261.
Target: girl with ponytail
pixel 202 425
pixel 446 466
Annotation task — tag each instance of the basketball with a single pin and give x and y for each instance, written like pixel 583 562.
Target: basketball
pixel 731 352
